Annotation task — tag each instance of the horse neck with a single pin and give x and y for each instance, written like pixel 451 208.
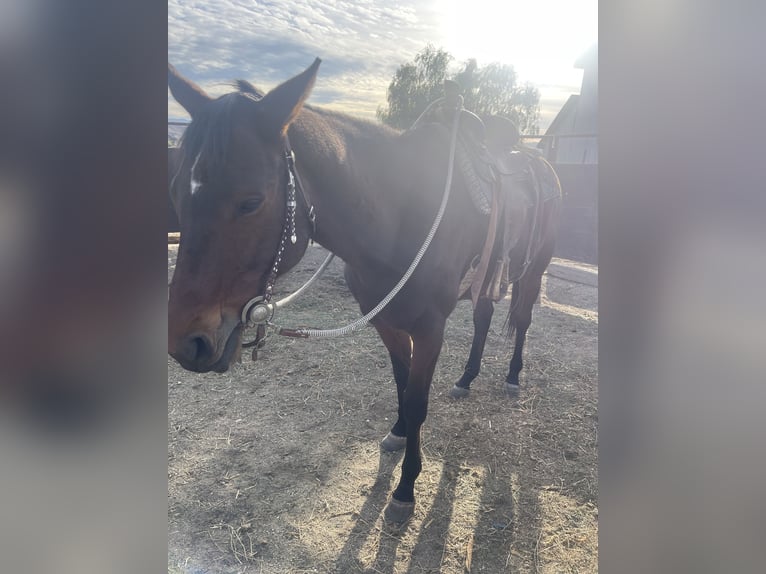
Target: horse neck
pixel 331 173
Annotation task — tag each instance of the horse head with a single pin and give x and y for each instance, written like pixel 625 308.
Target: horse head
pixel 230 194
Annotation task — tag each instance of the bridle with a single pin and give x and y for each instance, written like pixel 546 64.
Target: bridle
pixel 260 310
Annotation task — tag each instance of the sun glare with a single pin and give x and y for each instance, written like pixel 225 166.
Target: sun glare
pixel 540 39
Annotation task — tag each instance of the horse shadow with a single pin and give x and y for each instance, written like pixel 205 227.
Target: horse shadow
pixel 493 528
pixel 367 520
pixel 490 534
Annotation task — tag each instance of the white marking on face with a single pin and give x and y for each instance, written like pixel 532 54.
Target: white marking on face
pixel 195 183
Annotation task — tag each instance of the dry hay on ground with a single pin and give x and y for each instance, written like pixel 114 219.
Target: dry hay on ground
pixel 274 466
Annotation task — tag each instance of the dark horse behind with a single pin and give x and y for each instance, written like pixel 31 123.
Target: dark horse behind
pixel 367 193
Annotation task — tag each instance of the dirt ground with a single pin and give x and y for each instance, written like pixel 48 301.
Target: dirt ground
pixel 275 467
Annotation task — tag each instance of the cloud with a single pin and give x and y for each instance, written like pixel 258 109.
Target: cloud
pixel 361 44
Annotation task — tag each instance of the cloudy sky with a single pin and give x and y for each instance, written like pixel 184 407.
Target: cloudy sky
pixel 362 42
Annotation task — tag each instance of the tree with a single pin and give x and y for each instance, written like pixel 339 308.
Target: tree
pixel 414 86
pixel 492 89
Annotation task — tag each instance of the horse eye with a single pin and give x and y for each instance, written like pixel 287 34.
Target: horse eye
pixel 249 205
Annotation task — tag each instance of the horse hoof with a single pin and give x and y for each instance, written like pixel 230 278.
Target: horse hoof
pixel 398 513
pixel 393 443
pixel 459 392
pixel 511 390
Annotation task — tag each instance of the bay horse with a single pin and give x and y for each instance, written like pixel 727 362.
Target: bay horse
pixel 368 193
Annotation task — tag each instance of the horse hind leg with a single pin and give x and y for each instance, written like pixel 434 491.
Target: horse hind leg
pixel 482 318
pixel 525 293
pixel 521 318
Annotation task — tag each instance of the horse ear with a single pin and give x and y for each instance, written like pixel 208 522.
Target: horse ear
pixel 282 104
pixel 186 92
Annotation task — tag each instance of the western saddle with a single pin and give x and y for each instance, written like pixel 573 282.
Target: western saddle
pixel 507 182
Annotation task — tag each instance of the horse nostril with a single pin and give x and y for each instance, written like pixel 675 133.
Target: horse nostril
pixel 198 348
pixel 201 347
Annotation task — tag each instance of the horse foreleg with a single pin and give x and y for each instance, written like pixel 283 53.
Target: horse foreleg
pixel 426 346
pixel 482 318
pixel 399 345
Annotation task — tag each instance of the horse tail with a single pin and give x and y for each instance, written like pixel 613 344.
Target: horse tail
pixel 517 300
pixel 542 236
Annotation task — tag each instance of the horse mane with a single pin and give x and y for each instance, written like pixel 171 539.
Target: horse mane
pixel 245 87
pixel 208 133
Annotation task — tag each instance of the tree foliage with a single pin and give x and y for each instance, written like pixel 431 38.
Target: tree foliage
pixel 492 89
pixel 414 86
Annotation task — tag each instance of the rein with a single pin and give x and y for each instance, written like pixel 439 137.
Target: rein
pixel 260 311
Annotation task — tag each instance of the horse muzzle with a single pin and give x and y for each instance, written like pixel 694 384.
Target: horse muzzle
pixel 203 352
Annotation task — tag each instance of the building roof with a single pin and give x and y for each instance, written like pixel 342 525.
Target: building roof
pixel 588 58
pixel 565 114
